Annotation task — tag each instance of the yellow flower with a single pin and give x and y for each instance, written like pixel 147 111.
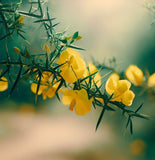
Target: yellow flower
pixel 111 83
pixel 3 84
pixel 93 69
pixel 45 88
pixel 74 67
pixel 137 147
pixel 21 18
pixel 68 38
pixel 119 89
pixel 47 49
pixel 17 50
pixel 134 74
pixel 46 76
pixel 50 90
pixel 78 38
pixel 27 108
pixel 34 88
pixel 78 99
pixel 151 80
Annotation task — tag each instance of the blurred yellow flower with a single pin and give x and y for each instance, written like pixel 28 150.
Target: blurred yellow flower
pixel 78 38
pixel 68 38
pixel 119 89
pixel 77 99
pixel 27 108
pixel 47 49
pixel 137 147
pixel 74 67
pixel 134 74
pixel 17 50
pixel 21 18
pixel 151 80
pixel 3 84
pixel 93 69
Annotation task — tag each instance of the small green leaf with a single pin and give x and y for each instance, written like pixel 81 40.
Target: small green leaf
pixel 74 47
pixel 97 89
pixel 16 81
pixel 139 108
pixel 58 96
pixel 59 66
pixel 109 108
pixel 27 54
pixel 30 14
pixel 100 118
pixel 75 35
pixel 21 35
pixel 128 122
pixel 38 86
pixel 88 76
pixel 46 60
pixel 72 41
pixel 63 41
pixel 55 25
pixel 60 85
pixel 141 116
pixel 94 104
pixel 131 126
pixel 97 102
pixel 4 72
pixel 44 20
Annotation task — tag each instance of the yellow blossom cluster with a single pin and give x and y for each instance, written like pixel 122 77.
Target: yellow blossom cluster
pixel 120 89
pixel 72 69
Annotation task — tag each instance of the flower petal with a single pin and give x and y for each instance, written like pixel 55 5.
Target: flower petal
pixel 128 97
pixel 34 88
pixel 83 104
pixel 111 83
pixel 122 87
pixel 45 76
pixel 72 105
pixel 3 84
pixel 51 92
pixel 68 75
pixel 68 96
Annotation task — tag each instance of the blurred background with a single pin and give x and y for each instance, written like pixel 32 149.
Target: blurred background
pixel 48 130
